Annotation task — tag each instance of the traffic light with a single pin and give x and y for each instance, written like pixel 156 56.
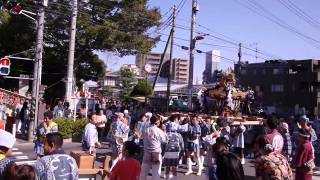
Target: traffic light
pixel 11 5
pixel 5 66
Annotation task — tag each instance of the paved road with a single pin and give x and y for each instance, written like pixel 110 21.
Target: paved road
pixel 23 152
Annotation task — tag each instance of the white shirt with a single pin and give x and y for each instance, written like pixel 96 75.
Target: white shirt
pixel 90 135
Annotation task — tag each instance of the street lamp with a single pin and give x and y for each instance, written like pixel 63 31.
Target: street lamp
pixel 192 51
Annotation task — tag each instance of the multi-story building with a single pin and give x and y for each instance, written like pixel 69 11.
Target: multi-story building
pixel 284 87
pixel 212 64
pixel 151 58
pixel 180 70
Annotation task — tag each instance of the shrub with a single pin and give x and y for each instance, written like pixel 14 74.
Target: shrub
pixel 71 129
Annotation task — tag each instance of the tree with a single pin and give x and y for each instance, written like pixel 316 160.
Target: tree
pixel 143 88
pixel 128 80
pixel 119 27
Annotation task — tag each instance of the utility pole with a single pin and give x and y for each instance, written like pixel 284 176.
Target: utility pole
pixel 161 60
pixel 192 51
pixel 256 51
pixel 37 70
pixel 240 53
pixel 73 30
pixel 171 53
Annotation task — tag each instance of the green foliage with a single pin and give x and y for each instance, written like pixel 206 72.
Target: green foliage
pixel 71 129
pixel 128 80
pixel 119 27
pixel 143 88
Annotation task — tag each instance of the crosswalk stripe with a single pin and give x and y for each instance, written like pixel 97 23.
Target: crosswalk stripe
pixel 21 157
pixel 16 153
pixel 15 149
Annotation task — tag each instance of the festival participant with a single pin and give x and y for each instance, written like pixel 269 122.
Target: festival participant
pixel 270 164
pixel 193 146
pixel 56 165
pixel 173 148
pixel 304 159
pixel 7 141
pixel 205 125
pixel 153 138
pixel 210 140
pixel 229 167
pixel 118 134
pixel 273 136
pixel 128 164
pixel 287 145
pixel 90 136
pixel 222 146
pixel 46 127
pixel 237 134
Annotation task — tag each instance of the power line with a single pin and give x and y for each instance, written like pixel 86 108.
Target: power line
pixel 301 13
pixel 276 20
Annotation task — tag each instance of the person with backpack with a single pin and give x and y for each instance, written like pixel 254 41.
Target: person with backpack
pixel 173 148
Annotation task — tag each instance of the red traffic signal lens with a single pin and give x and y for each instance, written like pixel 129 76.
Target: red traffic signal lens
pixel 5 62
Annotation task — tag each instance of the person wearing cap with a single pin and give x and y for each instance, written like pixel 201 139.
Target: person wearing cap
pixel 118 134
pixel 287 145
pixel 173 148
pixel 304 124
pixel 7 141
pixel 153 138
pixel 304 159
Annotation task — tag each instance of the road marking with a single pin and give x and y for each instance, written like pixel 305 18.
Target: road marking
pixel 26 162
pixel 21 157
pixel 16 153
pixel 15 149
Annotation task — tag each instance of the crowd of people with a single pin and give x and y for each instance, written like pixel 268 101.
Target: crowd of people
pixel 209 146
pixel 143 141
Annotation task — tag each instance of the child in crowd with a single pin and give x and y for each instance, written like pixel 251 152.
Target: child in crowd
pixel 128 168
pixel 173 148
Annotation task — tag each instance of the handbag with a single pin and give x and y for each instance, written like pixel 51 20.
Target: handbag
pixel 310 165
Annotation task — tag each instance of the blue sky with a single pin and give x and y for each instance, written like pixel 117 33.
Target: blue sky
pixel 230 20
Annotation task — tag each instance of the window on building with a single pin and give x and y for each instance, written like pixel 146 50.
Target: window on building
pixel 243 72
pixel 277 71
pixel 110 82
pixel 264 71
pixel 277 88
